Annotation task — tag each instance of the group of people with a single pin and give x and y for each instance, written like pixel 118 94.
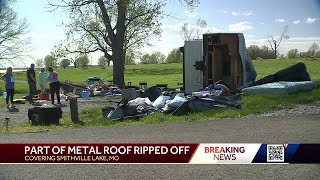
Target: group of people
pixel 52 78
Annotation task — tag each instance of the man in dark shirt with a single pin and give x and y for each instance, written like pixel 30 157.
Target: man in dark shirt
pixel 31 76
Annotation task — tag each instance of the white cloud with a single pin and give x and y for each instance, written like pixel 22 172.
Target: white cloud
pixel 191 13
pixel 261 23
pixel 280 20
pixel 235 14
pixel 249 36
pixel 171 38
pixel 241 26
pixel 311 20
pixel 296 22
pixel 172 28
pixel 222 11
pixel 247 13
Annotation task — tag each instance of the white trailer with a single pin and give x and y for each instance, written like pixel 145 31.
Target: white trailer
pixel 193 78
pixel 219 56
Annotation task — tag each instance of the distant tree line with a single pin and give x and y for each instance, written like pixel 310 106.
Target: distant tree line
pixel 82 61
pixel 174 56
pixel 264 52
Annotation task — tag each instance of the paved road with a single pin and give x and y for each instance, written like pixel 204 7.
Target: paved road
pixel 299 129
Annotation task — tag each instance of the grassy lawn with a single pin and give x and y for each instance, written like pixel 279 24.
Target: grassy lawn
pixel 171 74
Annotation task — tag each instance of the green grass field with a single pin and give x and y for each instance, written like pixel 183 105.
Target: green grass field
pixel 171 74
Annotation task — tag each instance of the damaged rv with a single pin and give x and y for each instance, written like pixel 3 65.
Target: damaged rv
pixel 218 56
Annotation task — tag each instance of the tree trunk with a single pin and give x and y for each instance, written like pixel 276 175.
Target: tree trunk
pixel 118 52
pixel 107 59
pixel 275 50
pixel 118 65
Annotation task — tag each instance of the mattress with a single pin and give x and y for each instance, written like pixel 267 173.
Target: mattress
pixel 281 87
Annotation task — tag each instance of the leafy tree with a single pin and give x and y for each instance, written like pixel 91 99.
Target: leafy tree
pixel 281 56
pixel 317 55
pixel 266 53
pixel 13 47
pixel 175 56
pixel 50 60
pixel 113 27
pixel 256 52
pixel 293 53
pixel 39 63
pixel 275 43
pixel 312 50
pixel 160 58
pixel 65 63
pixel 60 52
pixel 83 61
pixel 145 59
pixel 102 62
pixel 130 57
pixel 154 58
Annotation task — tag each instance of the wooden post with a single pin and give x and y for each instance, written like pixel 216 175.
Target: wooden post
pixel 74 110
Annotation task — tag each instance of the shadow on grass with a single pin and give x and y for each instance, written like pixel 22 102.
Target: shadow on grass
pixel 153 71
pixel 13 110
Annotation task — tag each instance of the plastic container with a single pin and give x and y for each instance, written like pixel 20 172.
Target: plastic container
pixel 85 94
pixel 90 82
pixel 43 96
pixel 4 95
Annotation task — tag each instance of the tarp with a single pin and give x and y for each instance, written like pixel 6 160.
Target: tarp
pixel 204 104
pixel 294 73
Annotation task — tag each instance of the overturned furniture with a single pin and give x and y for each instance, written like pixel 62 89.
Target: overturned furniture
pixel 219 56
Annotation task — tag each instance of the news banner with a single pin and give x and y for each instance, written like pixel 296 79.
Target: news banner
pixel 160 153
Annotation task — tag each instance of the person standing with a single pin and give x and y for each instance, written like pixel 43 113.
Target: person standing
pixel 31 76
pixel 9 81
pixel 42 77
pixel 54 83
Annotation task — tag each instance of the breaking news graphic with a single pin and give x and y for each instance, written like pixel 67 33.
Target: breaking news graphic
pixel 160 153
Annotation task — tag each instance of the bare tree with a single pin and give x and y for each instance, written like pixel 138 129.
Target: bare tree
pixel 189 31
pixel 13 45
pixel 275 43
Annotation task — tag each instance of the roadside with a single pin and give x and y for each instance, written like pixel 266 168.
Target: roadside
pixel 296 129
pixel 19 114
pixel 300 110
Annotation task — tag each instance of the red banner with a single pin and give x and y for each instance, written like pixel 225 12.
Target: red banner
pixel 96 153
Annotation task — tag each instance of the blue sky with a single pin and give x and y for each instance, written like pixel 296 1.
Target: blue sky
pixel 255 18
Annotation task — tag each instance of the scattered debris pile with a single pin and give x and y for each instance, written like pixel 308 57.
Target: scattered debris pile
pixel 137 102
pixel 177 103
